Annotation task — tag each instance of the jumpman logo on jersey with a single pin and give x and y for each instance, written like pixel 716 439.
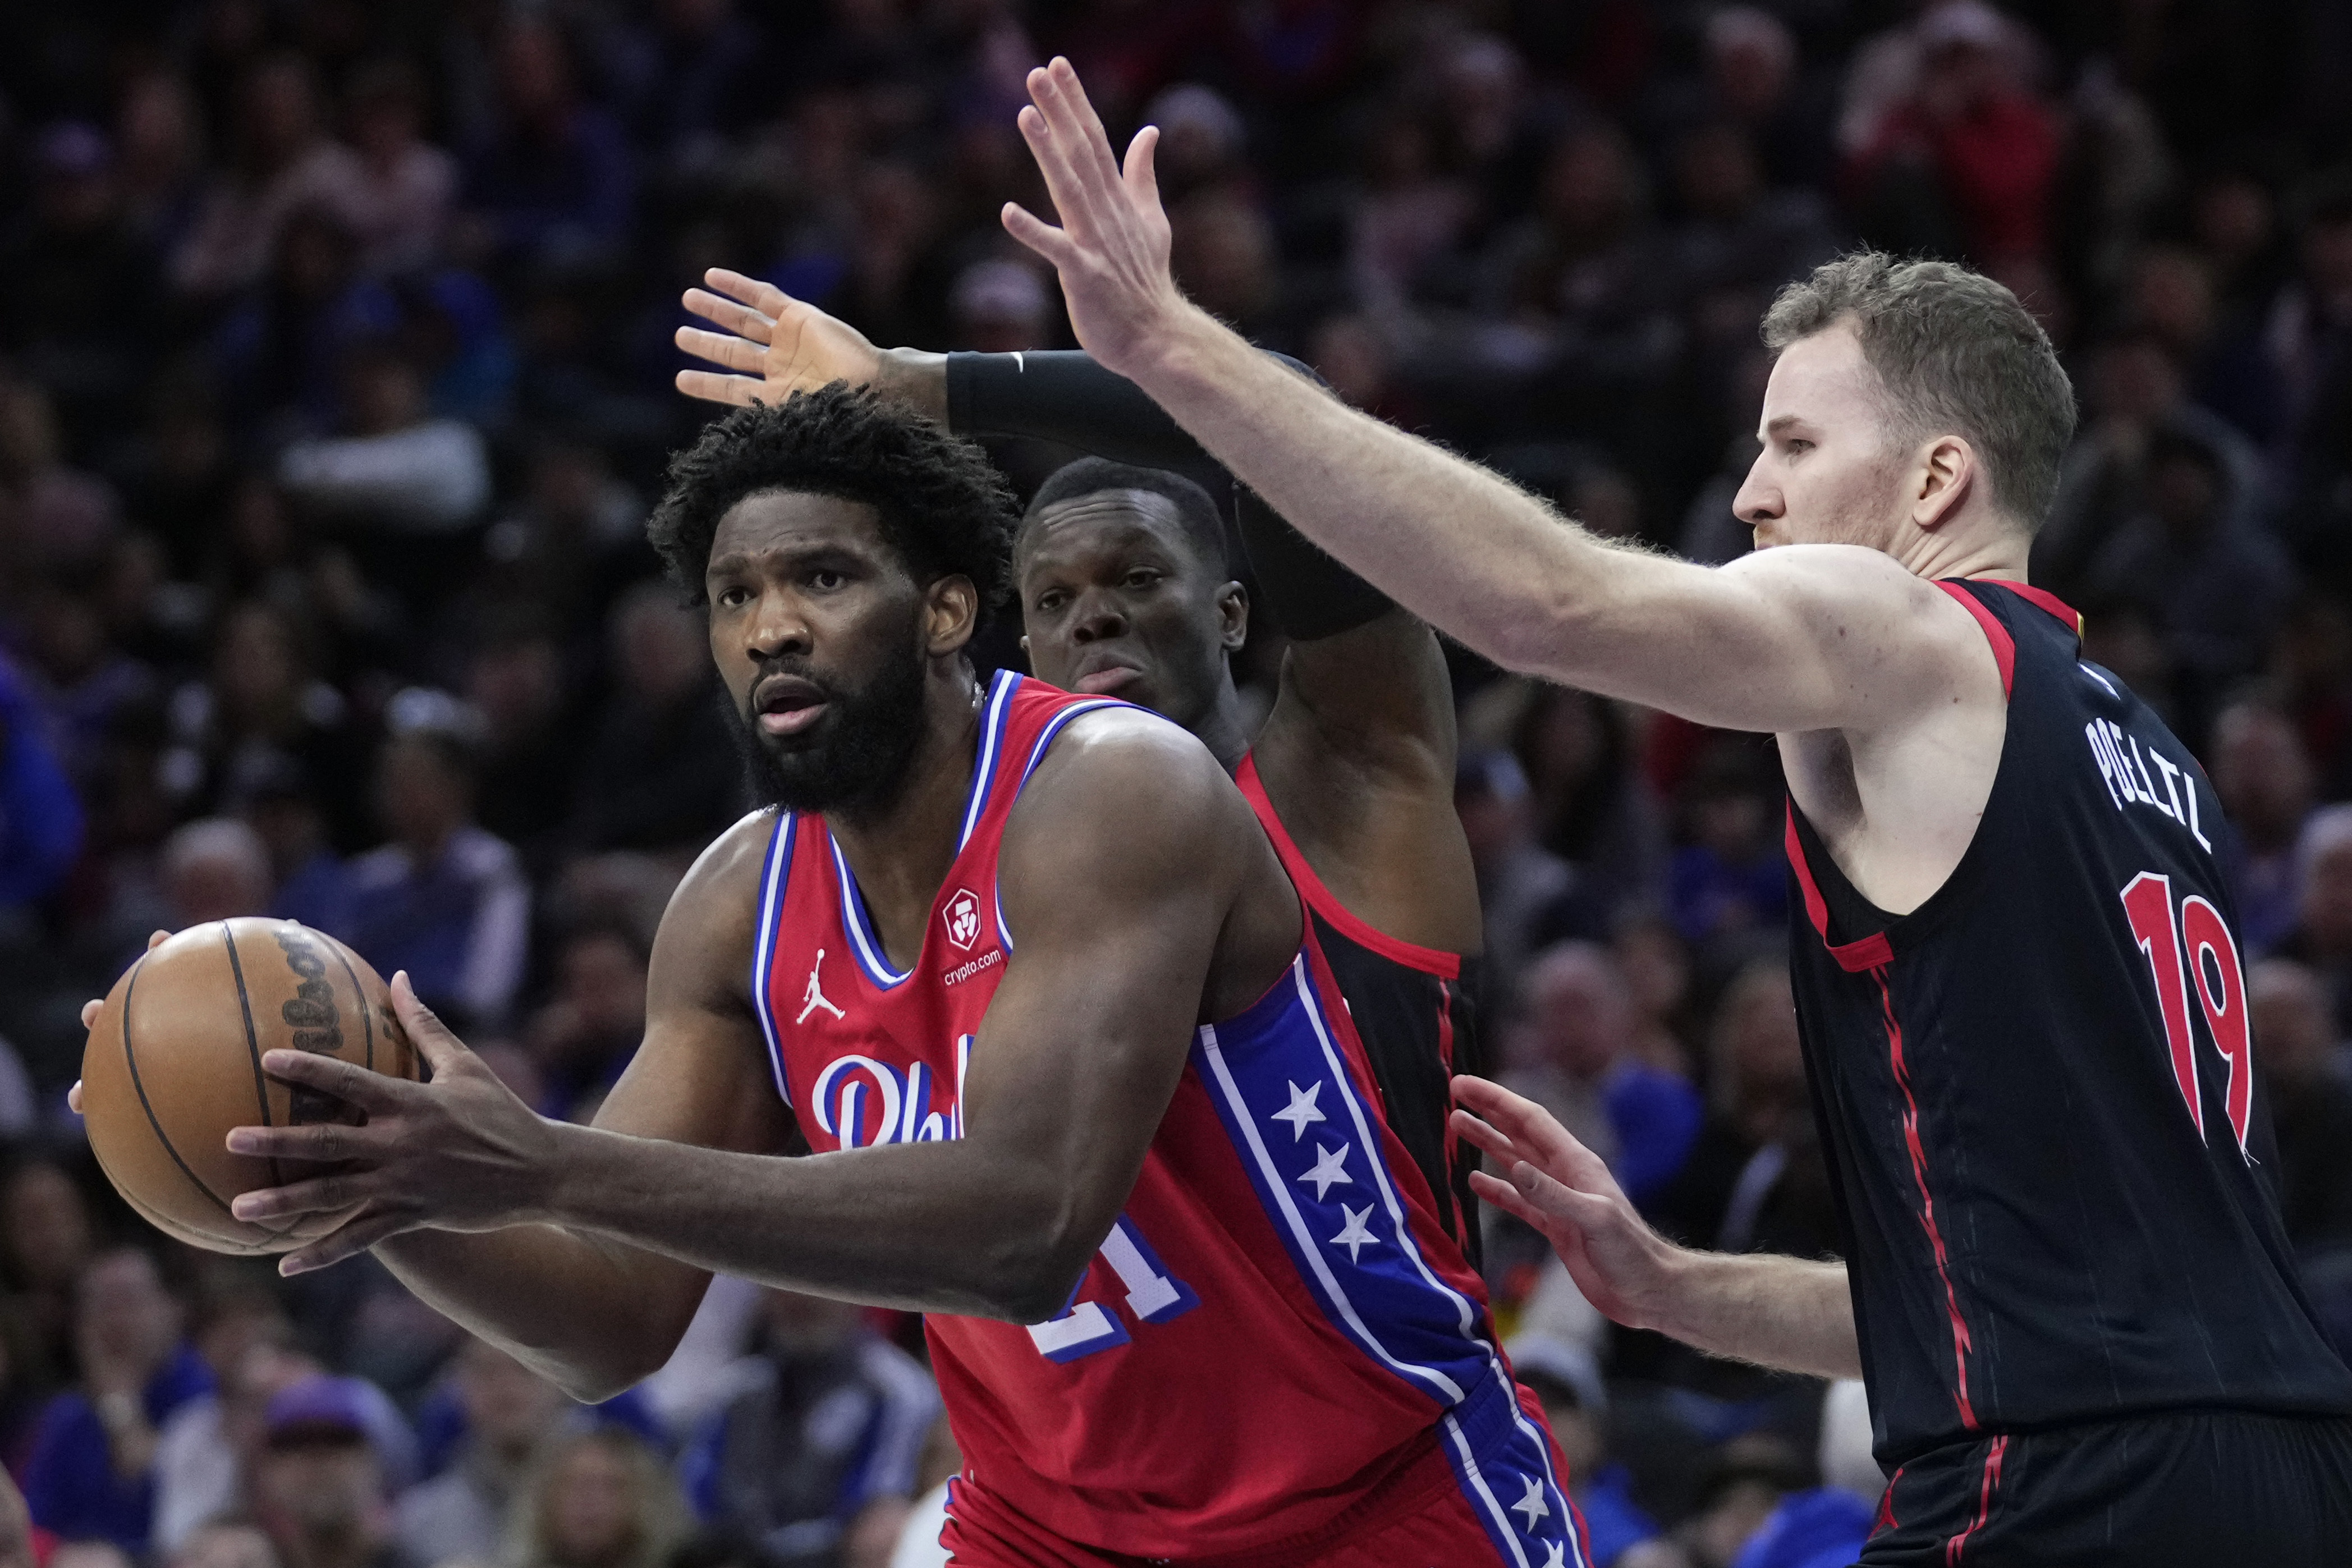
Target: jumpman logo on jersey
pixel 815 997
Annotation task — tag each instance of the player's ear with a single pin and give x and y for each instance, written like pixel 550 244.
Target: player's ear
pixel 1232 613
pixel 1942 477
pixel 951 613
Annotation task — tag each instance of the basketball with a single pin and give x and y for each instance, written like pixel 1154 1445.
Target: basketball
pixel 174 1061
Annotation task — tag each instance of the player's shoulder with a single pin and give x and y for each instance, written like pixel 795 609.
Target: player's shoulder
pixel 1130 766
pixel 720 889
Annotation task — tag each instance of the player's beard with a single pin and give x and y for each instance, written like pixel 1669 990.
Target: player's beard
pixel 855 758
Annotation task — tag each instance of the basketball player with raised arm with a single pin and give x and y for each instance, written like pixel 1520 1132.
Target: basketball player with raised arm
pixel 1023 970
pixel 2022 998
pixel 1122 572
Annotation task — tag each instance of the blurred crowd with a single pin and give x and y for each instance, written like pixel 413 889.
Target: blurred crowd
pixel 335 380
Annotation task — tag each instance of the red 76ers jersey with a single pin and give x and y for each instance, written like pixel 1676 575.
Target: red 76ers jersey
pixel 1277 1313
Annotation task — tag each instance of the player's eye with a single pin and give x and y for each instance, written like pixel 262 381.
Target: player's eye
pixel 1798 444
pixel 826 581
pixel 734 598
pixel 1143 577
pixel 1051 600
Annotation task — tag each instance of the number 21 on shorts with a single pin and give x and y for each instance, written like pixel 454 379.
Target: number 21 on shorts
pixel 2196 952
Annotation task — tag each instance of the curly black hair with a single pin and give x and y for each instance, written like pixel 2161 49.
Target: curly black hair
pixel 944 510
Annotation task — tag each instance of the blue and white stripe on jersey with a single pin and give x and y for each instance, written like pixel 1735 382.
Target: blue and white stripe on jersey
pixel 864 944
pixel 993 710
pixel 773 878
pixel 1317 1166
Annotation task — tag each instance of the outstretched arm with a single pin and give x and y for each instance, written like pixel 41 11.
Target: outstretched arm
pixel 1788 1313
pixel 1119 914
pixel 1791 640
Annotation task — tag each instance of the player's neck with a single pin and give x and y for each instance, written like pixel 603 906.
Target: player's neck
pixel 1225 728
pixel 900 851
pixel 1982 552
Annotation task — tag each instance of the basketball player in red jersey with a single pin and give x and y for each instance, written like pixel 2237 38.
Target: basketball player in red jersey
pixel 1123 578
pixel 1021 969
pixel 2022 1004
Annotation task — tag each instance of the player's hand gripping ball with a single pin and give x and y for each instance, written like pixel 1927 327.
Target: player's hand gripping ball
pixel 174 1061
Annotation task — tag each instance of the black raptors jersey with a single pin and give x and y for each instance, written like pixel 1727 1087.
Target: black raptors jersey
pixel 2051 1153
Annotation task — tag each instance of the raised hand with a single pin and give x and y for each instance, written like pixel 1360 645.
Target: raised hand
pixel 1111 249
pixel 458 1154
pixel 778 344
pixel 1565 1191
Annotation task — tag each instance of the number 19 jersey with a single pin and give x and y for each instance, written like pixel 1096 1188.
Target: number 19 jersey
pixel 2048 1142
pixel 1277 1323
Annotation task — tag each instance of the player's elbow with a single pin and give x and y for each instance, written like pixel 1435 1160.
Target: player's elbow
pixel 1036 1261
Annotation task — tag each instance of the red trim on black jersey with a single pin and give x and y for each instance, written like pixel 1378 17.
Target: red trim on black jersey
pixel 1991 1479
pixel 1962 1342
pixel 2042 598
pixel 1853 957
pixel 2004 647
pixel 1324 902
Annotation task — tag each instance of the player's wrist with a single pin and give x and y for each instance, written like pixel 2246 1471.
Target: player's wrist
pixel 914 378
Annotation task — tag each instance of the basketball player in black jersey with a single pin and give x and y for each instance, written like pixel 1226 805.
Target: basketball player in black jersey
pixel 1122 572
pixel 2021 997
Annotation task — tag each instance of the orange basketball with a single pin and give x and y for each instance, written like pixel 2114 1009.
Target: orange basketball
pixel 174 1061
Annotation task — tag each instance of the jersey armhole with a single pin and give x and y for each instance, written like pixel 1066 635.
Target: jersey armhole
pixel 2004 647
pixel 1320 900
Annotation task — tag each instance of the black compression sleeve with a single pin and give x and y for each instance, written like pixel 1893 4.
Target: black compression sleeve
pixel 1068 398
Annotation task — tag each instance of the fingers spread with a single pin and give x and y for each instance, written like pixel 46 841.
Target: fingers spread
pixel 719 348
pixel 351 1238
pixel 1537 1133
pixel 431 1036
pixel 1507 1198
pixel 319 1142
pixel 738 319
pixel 742 391
pixel 1038 235
pixel 321 1195
pixel 758 293
pixel 370 1092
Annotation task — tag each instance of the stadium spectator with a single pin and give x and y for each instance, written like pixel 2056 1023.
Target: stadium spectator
pixel 205 1450
pixel 395 468
pixel 2297 1047
pixel 402 188
pixel 47 1238
pixel 600 1500
pixel 583 1037
pixel 444 900
pixel 1592 807
pixel 40 820
pixel 815 1461
pixel 92 1472
pixel 261 708
pixel 1573 1056
pixel 550 180
pixel 78 287
pixel 1755 1180
pixel 2267 788
pixel 228 1542
pixel 2322 938
pixel 511 1414
pixel 213 870
pixel 319 1484
pixel 282 160
pixel 661 771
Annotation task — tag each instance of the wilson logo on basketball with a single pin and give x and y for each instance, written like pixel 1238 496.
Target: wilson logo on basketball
pixel 962 916
pixel 316 1024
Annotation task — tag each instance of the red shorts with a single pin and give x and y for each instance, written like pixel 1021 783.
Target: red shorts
pixel 1454 1501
